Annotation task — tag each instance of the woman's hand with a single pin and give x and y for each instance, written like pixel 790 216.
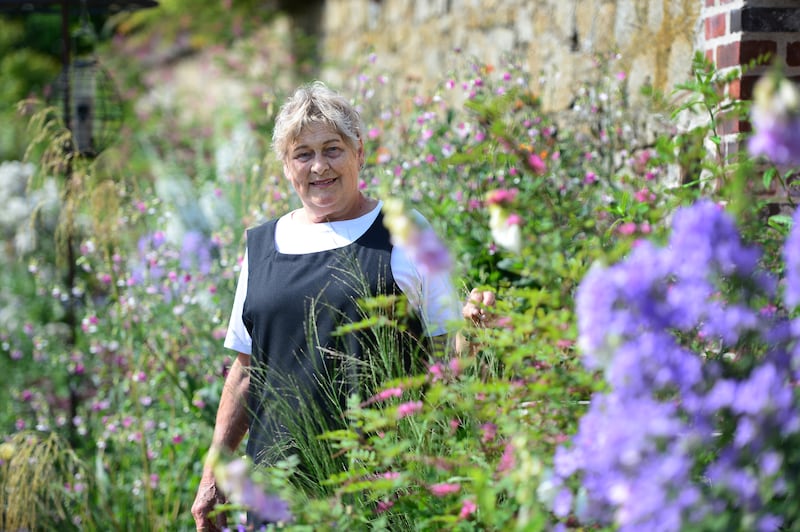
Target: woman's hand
pixel 477 311
pixel 478 308
pixel 208 496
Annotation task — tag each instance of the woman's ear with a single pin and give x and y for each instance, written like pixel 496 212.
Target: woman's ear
pixel 361 156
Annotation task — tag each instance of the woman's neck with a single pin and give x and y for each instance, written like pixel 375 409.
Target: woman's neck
pixel 362 207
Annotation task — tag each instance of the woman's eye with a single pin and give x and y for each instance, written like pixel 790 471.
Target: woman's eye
pixel 302 156
pixel 333 151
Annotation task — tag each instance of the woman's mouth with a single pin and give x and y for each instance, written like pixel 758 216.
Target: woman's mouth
pixel 322 182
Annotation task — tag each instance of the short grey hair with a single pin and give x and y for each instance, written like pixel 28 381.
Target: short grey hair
pixel 314 103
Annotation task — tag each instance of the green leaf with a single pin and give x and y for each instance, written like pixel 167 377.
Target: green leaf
pixel 780 221
pixel 769 175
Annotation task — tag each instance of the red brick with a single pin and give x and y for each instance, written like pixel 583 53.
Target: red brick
pixel 728 55
pixel 741 53
pixel 709 3
pixel 793 53
pixel 710 55
pixel 716 25
pixel 742 89
pixel 751 50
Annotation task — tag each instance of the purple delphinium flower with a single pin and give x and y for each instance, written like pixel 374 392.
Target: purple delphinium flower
pixel 791 257
pixel 647 323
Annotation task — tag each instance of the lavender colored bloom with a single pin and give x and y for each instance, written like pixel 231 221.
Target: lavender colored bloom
pixel 775 117
pixel 562 503
pixel 196 251
pixel 705 242
pixel 429 252
pixel 791 256
pixel 646 322
pixel 235 480
pixel 769 523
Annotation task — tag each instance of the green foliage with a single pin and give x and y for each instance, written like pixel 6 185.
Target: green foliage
pixel 25 70
pixel 126 364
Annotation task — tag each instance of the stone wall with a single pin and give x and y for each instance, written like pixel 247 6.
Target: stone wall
pixel 556 39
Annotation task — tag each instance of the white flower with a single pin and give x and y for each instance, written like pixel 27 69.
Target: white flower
pixel 505 228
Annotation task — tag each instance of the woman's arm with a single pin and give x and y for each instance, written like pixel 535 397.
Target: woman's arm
pixel 229 429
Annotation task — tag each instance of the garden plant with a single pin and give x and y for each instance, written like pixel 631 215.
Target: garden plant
pixel 640 373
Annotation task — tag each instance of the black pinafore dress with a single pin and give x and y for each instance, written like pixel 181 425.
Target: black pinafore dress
pixel 305 361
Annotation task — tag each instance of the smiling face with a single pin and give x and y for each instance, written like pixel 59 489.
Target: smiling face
pixel 323 170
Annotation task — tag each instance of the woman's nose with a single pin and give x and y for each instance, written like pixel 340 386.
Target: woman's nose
pixel 319 164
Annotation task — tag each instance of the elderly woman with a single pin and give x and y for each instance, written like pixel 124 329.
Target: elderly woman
pixel 304 277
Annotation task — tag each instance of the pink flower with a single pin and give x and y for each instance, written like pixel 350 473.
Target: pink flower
pixel 504 322
pixel 621 76
pixel 644 196
pixel 383 395
pixel 502 196
pixel 536 163
pixel 507 461
pixel 443 489
pixel 391 475
pixel 468 507
pixel 455 366
pixel 590 177
pixel 514 219
pixel 436 372
pixel 628 228
pixel 409 408
pixel 489 431
pixel 383 506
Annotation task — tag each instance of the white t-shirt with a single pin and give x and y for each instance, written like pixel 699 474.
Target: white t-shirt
pixel 432 295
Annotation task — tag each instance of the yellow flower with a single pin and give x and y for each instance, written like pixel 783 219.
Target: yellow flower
pixel 400 226
pixel 7 451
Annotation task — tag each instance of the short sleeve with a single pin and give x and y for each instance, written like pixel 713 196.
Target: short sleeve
pixel 237 337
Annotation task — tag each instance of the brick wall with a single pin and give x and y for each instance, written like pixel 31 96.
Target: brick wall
pixel 738 32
